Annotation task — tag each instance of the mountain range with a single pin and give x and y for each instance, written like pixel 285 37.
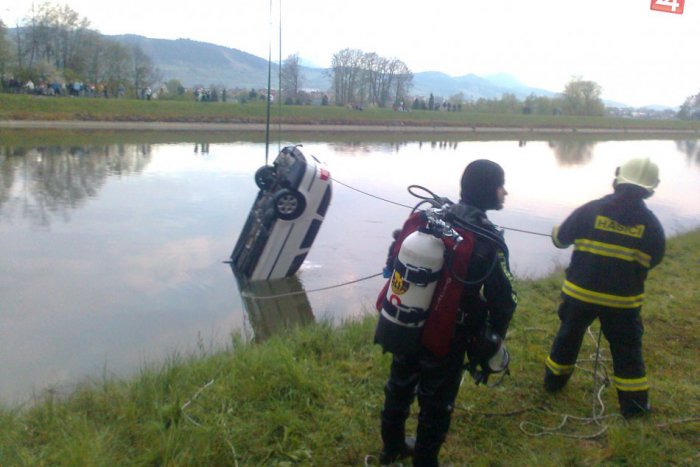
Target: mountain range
pixel 196 63
pixel 204 64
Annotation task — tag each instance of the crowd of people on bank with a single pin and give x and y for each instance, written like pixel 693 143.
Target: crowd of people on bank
pixel 72 88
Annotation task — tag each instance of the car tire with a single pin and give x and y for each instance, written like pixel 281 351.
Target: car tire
pixel 289 204
pixel 265 177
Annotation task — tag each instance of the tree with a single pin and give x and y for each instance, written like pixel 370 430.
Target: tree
pixel 456 100
pixel 583 98
pixel 52 34
pixel 55 45
pixel 540 105
pixel 346 70
pixel 5 51
pixel 291 79
pixel 116 71
pixel 144 74
pixel 690 110
pixel 403 82
pixel 366 78
pixel 175 88
pixel 388 80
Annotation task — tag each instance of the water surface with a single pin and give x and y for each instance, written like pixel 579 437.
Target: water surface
pixel 113 252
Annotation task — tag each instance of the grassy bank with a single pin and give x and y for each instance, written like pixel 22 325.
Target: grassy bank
pixel 313 396
pixel 26 107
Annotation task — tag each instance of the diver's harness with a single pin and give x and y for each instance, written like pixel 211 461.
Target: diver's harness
pixel 415 272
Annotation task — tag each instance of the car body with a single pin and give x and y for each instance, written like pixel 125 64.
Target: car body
pixel 295 192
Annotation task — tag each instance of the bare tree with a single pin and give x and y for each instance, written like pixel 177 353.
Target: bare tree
pixel 52 34
pixel 116 71
pixel 402 82
pixel 360 78
pixel 5 50
pixel 144 74
pixel 346 69
pixel 291 79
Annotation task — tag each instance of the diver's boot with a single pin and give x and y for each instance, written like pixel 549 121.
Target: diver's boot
pixel 388 457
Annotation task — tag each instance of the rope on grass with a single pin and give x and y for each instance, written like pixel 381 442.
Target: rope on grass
pixel 196 423
pixel 187 404
pixel 499 414
pixel 601 381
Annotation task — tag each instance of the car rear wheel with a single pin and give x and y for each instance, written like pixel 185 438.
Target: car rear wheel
pixel 289 204
pixel 265 177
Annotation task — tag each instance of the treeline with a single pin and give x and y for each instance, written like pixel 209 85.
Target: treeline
pixel 364 78
pixel 53 50
pixel 580 97
pixel 507 104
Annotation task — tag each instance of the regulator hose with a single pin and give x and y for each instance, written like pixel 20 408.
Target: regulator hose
pixel 439 202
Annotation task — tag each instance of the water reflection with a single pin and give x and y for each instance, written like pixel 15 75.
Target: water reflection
pixel 571 151
pixel 274 306
pixel 44 181
pixel 690 148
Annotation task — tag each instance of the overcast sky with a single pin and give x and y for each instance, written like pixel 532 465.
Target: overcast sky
pixel 637 55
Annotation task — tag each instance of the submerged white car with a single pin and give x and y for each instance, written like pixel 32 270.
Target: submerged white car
pixel 295 192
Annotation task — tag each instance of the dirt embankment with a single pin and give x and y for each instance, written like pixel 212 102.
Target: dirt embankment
pixel 375 128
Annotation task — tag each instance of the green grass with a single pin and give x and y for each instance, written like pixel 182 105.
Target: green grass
pixel 312 397
pixel 26 107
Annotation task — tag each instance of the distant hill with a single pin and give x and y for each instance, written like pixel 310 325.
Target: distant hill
pixel 199 63
pixel 202 64
pixel 473 86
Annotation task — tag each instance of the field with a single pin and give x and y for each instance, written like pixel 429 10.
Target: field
pixel 26 107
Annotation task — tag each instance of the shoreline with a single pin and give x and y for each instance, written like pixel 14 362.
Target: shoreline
pixel 308 127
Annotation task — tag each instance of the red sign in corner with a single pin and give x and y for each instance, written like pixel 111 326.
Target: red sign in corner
pixel 668 6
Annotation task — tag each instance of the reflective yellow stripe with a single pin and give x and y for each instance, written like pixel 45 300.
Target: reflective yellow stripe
pixel 558 369
pixel 613 251
pixel 636 384
pixel 509 276
pixel 598 298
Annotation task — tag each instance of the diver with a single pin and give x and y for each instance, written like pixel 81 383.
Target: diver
pixel 467 313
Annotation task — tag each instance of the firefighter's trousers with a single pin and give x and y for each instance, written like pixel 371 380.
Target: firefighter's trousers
pixel 623 329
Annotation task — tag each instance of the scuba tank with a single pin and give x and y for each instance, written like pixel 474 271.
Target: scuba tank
pixel 418 305
pixel 406 304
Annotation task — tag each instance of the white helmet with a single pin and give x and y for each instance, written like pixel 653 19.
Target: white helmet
pixel 640 172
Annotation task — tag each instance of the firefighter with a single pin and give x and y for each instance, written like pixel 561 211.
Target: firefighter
pixel 481 307
pixel 617 240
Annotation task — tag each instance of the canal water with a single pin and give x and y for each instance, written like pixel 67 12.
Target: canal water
pixel 113 248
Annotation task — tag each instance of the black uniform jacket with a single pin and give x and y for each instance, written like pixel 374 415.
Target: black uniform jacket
pixel 617 240
pixel 489 280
